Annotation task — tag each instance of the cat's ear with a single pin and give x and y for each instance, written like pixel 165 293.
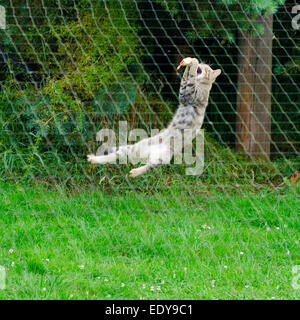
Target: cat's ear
pixel 216 73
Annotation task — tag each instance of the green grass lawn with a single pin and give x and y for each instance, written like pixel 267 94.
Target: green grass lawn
pixel 90 245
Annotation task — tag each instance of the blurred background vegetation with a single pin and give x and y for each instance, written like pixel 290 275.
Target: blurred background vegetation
pixel 69 68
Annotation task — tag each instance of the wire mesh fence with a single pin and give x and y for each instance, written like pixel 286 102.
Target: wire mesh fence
pixel 71 68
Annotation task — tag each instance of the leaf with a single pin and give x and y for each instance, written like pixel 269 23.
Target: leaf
pixel 295 177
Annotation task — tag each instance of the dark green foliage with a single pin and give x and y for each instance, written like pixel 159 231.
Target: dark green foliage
pixel 86 70
pixel 286 79
pixel 117 101
pixel 219 18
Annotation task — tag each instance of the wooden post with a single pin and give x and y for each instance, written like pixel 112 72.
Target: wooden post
pixel 254 92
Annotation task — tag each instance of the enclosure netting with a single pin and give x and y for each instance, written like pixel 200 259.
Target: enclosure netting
pixel 71 68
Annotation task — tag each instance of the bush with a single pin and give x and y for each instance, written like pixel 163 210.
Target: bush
pixel 90 70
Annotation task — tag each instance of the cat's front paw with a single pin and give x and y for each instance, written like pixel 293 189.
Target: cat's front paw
pixel 91 158
pixel 185 62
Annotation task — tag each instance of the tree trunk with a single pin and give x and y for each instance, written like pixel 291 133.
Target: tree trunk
pixel 254 92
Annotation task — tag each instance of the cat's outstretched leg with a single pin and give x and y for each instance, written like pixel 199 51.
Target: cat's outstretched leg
pixel 160 154
pixel 110 158
pixel 139 171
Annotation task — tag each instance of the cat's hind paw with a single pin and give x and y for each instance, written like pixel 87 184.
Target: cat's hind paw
pixel 138 171
pixel 91 158
pixel 135 172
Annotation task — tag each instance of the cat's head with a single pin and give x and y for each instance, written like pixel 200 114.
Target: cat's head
pixel 206 75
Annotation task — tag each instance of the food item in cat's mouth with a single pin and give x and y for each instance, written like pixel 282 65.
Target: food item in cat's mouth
pixel 184 62
pixel 179 66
